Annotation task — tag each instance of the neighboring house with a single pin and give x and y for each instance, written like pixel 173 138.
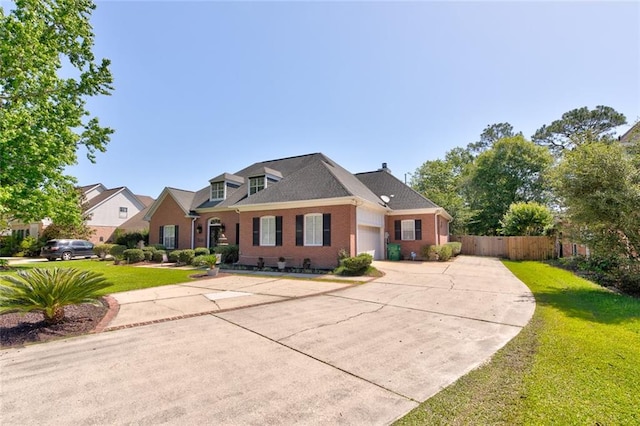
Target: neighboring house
pixel 106 209
pixel 110 209
pixel 630 136
pixel 299 207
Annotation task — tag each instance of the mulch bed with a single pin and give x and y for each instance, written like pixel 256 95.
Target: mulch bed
pixel 17 329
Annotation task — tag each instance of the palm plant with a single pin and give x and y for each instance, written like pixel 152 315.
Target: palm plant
pixel 49 291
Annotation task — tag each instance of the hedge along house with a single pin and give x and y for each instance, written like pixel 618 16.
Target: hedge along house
pixel 304 207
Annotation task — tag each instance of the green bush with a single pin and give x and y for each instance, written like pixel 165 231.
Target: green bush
pixel 456 247
pixel 186 256
pixel 444 253
pixel 9 244
pixel 148 253
pixel 230 253
pixel 174 256
pixel 133 255
pixel 102 250
pixel 429 252
pixel 202 251
pixel 117 251
pixel 158 246
pixel 357 265
pixel 30 246
pixel 130 239
pixel 158 256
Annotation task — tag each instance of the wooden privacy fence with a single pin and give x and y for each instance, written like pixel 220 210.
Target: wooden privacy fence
pixel 513 248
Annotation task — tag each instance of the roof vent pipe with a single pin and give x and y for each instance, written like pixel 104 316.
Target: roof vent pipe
pixel 384 168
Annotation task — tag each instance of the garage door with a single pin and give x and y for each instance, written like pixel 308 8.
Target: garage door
pixel 370 241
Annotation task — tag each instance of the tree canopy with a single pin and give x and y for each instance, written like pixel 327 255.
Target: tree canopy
pixel 513 170
pixel 578 126
pixel 600 186
pixel 47 73
pixel 441 181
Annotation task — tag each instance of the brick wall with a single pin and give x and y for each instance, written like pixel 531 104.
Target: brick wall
pixel 343 235
pixel 228 218
pixel 170 213
pixel 428 234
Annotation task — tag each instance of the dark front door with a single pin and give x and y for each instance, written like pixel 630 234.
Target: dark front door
pixel 214 235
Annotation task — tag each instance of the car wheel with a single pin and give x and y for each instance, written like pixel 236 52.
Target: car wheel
pixel 66 255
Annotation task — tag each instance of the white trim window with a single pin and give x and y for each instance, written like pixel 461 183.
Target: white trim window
pixel 123 213
pixel 268 231
pixel 256 184
pixel 169 237
pixel 313 229
pixel 408 230
pixel 217 191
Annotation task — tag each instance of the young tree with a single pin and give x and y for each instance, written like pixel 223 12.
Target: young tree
pixel 43 116
pixel 578 126
pixel 600 187
pixel 513 170
pixel 526 219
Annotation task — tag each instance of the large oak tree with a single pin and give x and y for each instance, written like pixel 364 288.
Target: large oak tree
pixel 47 73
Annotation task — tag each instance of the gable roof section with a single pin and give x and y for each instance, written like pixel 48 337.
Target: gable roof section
pixel 101 198
pixel 228 177
pixel 403 197
pixel 183 198
pixel 630 135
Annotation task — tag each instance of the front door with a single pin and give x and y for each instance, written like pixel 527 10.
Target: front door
pixel 214 235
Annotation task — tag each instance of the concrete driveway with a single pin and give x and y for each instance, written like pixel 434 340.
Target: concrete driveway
pixel 363 354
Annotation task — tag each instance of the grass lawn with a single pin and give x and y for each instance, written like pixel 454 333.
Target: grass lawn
pixel 122 277
pixel 576 363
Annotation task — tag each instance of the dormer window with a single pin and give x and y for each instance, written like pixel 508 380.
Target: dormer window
pixel 217 191
pixel 256 184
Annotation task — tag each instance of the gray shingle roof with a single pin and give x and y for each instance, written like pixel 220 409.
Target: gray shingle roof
pixel 402 196
pixel 310 177
pixel 307 177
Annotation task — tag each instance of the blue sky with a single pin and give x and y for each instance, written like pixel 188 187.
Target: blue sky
pixel 208 87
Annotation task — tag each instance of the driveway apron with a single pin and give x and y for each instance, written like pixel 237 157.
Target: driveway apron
pixel 364 354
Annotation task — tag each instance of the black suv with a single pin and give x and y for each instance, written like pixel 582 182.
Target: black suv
pixel 66 249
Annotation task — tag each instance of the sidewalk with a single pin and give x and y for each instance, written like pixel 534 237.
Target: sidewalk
pixel 227 291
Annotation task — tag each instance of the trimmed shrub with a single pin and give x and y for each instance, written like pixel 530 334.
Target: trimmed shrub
pixel 456 247
pixel 201 251
pixel 429 252
pixel 102 250
pixel 186 256
pixel 174 256
pixel 230 253
pixel 148 253
pixel 357 265
pixel 158 255
pixel 444 253
pixel 117 251
pixel 158 246
pixel 133 255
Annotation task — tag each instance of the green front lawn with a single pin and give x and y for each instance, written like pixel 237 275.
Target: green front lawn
pixel 122 277
pixel 576 362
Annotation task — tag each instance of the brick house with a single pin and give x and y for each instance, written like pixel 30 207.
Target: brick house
pixel 299 207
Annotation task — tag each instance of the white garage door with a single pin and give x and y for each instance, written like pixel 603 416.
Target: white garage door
pixel 370 241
